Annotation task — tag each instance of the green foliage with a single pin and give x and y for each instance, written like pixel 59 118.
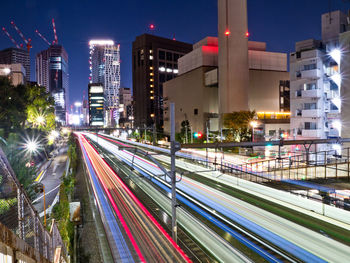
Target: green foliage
pixel 5 204
pixel 24 102
pixel 72 153
pixel 238 125
pixel 18 161
pixel 40 103
pixel 12 106
pixel 60 213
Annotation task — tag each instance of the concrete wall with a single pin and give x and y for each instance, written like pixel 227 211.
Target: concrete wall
pixel 233 56
pixel 263 89
pixel 267 60
pixel 189 93
pixel 201 56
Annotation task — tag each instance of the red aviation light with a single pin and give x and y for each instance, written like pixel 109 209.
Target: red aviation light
pixel 152 26
pixel 247 34
pixel 227 32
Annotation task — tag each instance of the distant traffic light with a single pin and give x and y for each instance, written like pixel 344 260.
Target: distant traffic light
pixel 198 135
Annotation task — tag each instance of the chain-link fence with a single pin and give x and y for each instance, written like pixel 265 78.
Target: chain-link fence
pixel 18 215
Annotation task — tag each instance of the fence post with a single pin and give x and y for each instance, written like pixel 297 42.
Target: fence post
pixel 36 232
pixel 20 213
pixel 348 165
pixel 336 168
pixel 325 164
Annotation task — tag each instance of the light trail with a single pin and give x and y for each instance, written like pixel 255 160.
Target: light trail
pixel 225 205
pixel 110 224
pixel 150 240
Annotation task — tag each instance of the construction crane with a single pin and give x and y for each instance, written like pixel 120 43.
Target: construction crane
pixel 28 42
pixel 42 37
pixel 55 41
pixel 54 31
pixel 10 37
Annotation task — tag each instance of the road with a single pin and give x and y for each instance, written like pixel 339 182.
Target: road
pixel 297 240
pixel 148 239
pixel 51 178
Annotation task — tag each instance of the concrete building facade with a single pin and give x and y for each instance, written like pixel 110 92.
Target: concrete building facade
pixel 15 72
pixel 319 85
pixel 154 61
pixel 104 64
pixel 15 56
pixel 52 72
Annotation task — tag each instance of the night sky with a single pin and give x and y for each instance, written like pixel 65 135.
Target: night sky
pixel 280 23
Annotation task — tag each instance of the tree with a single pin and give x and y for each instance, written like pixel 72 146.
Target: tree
pixel 238 125
pixel 22 103
pixel 40 108
pixel 12 106
pixel 185 128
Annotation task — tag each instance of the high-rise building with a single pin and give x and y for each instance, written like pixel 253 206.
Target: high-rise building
pixel 14 56
pixel 85 112
pixel 105 69
pixel 319 85
pixel 125 107
pixel 52 72
pixel 96 104
pixel 154 61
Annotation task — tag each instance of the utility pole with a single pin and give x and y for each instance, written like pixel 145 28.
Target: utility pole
pixel 206 149
pixel 186 140
pixel 154 135
pixel 191 134
pixel 175 146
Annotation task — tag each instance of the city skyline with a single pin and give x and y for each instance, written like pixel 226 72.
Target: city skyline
pixel 279 30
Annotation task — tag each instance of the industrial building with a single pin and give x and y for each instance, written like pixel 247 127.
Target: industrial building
pixel 154 61
pixel 104 64
pixel 196 90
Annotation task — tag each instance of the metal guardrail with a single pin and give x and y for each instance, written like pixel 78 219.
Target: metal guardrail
pixel 264 143
pixel 22 231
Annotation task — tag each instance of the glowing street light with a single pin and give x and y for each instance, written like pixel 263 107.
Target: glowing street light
pixel 31 146
pixel 337 79
pixel 337 102
pixel 6 71
pixel 40 120
pixel 336 55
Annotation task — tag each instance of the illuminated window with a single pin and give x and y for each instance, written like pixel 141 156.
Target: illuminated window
pixel 151 91
pixel 151 85
pixel 151 74
pixel 151 57
pixel 152 115
pixel 151 97
pixel 151 51
pixel 151 80
pixel 151 68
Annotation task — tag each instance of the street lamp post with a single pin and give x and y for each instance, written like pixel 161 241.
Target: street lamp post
pixel 254 124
